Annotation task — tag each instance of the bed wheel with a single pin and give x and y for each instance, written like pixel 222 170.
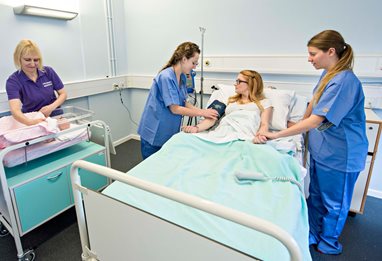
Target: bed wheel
pixel 28 256
pixel 3 230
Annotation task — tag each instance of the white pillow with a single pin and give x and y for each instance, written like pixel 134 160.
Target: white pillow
pixel 298 108
pixel 222 94
pixel 280 99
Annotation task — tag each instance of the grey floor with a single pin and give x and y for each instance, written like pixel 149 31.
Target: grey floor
pixel 59 240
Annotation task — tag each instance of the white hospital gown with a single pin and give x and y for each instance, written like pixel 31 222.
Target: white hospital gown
pixel 241 122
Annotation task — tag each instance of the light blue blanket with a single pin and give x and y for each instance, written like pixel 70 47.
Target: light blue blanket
pixel 207 170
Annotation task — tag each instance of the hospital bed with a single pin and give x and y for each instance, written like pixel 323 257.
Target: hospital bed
pixel 194 200
pixel 34 173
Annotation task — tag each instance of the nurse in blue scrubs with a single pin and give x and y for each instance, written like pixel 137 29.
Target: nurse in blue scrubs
pixel 167 100
pixel 338 145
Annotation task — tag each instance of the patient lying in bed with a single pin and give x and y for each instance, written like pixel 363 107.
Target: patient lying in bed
pixel 247 112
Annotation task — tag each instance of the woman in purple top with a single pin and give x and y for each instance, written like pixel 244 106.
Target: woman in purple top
pixel 33 87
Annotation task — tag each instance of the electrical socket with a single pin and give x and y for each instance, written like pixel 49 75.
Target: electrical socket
pixel 373 102
pixel 118 86
pixel 368 102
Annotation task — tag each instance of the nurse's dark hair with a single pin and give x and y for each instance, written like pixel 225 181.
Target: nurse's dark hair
pixel 324 41
pixel 186 49
pixel 256 88
pixel 26 47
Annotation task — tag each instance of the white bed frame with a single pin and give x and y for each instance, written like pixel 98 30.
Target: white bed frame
pixel 8 218
pixel 113 230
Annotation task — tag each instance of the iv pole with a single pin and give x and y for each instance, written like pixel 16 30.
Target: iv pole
pixel 202 30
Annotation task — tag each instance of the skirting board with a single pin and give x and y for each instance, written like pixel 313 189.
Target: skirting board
pixel 374 193
pixel 127 138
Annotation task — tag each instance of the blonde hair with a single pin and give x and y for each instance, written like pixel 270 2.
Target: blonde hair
pixel 324 41
pixel 186 49
pixel 26 47
pixel 256 87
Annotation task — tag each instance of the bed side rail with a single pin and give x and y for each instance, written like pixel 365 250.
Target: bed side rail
pixel 252 222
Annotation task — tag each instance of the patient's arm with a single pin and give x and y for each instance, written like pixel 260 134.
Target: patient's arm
pixel 201 126
pixel 264 126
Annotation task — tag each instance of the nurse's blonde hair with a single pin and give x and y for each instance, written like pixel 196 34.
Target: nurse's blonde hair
pixel 256 88
pixel 324 41
pixel 26 47
pixel 186 49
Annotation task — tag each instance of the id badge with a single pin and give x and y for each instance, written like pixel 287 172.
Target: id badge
pixel 324 126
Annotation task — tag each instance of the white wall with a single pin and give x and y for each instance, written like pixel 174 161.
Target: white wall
pixel 77 49
pixel 244 27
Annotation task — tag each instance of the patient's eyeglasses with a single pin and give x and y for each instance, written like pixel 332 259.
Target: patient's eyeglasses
pixel 238 81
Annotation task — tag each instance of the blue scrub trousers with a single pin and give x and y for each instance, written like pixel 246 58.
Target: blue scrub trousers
pixel 147 149
pixel 330 194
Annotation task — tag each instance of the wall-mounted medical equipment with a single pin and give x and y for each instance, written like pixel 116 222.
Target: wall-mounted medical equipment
pixel 190 85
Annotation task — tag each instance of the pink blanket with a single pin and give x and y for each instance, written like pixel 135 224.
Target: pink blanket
pixel 13 132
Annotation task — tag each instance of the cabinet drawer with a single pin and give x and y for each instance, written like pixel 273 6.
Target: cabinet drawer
pixel 371 133
pixel 91 180
pixel 42 198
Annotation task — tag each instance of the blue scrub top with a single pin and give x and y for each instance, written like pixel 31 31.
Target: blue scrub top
pixel 34 95
pixel 343 146
pixel 158 124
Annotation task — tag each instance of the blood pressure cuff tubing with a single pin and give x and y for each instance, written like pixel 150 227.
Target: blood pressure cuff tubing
pixel 218 106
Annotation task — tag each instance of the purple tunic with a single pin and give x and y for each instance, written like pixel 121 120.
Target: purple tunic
pixel 34 95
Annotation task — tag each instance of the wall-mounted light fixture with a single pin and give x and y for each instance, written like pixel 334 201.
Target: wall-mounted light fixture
pixel 44 12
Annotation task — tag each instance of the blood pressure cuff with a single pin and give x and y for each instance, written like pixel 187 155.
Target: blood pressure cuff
pixel 218 106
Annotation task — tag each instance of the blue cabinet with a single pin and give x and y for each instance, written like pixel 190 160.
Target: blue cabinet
pixel 42 198
pixel 42 189
pixel 91 180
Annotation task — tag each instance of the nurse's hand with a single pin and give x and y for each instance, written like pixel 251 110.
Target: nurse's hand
pixel 190 129
pixel 259 139
pixel 47 110
pixel 210 113
pixel 269 135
